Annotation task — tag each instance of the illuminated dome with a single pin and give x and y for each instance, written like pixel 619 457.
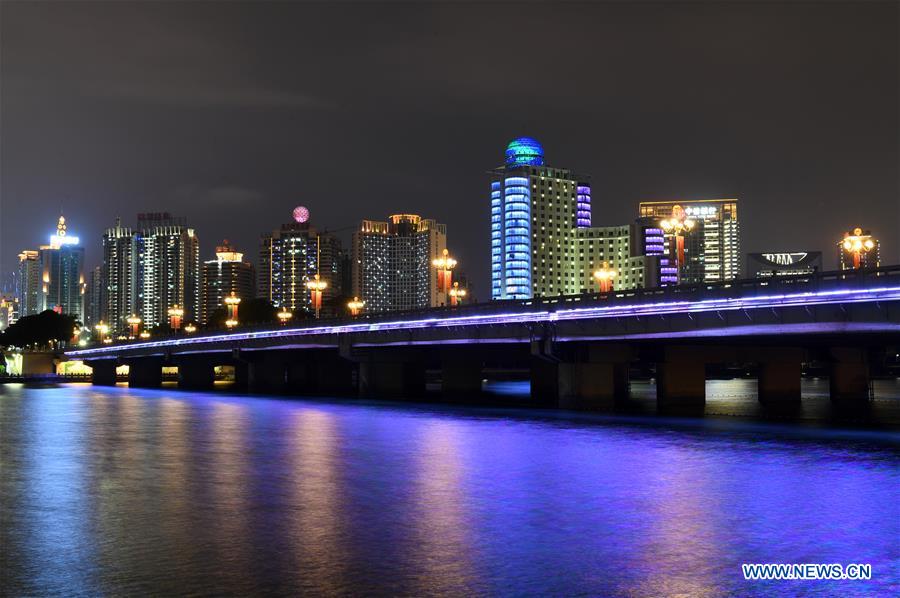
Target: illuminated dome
pixel 301 214
pixel 524 151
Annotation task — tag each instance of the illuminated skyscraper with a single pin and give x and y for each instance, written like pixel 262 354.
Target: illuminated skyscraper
pixel 62 273
pixel 392 263
pixel 169 261
pixel 859 249
pixel 121 288
pixel 674 261
pixel 31 297
pixel 721 234
pixel 226 274
pixel 613 246
pixel 536 210
pixel 94 298
pixel 291 256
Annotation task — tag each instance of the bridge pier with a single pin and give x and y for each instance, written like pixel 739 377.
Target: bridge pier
pixel 849 375
pixel 461 376
pixel 196 373
pixel 779 376
pixel 103 371
pixel 404 379
pixel 264 375
pixel 335 375
pixel 145 373
pixel 681 380
pixel 589 378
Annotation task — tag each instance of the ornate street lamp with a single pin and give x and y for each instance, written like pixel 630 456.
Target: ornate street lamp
pixel 857 244
pixel 175 315
pixel 355 306
pixel 284 315
pixel 676 226
pixel 444 265
pixel 102 329
pixel 145 334
pixel 231 304
pixel 134 321
pixel 605 277
pixel 457 294
pixel 190 329
pixel 316 288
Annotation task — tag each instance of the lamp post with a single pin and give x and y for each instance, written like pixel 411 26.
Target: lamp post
pixel 101 329
pixel 190 329
pixel 231 304
pixel 676 226
pixel 355 306
pixel 175 315
pixel 444 265
pixel 457 294
pixel 284 315
pixel 134 321
pixel 145 334
pixel 857 244
pixel 604 277
pixel 316 288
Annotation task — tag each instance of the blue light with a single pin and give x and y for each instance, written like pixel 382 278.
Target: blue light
pixel 524 151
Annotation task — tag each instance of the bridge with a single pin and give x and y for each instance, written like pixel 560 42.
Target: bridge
pixel 579 349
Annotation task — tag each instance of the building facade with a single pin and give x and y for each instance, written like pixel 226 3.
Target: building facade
pixel 612 247
pixel 536 210
pixel 719 233
pixel 95 298
pixel 392 263
pixel 784 263
pixel 169 263
pixel 31 297
pixel 221 277
pixel 62 273
pixel 121 280
pixel 673 261
pixel 293 255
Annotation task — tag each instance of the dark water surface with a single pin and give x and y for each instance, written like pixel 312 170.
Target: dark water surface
pixel 122 492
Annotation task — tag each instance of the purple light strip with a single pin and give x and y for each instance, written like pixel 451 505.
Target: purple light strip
pixel 612 311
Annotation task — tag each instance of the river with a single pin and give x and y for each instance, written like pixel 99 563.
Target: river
pixel 121 491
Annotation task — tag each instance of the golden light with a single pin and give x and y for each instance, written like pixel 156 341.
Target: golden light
pixel 232 302
pixel 175 315
pixel 134 321
pixel 284 315
pixel 231 323
pixel 858 242
pixel 145 334
pixel 676 226
pixel 605 277
pixel 102 329
pixel 190 329
pixel 457 294
pixel 355 306
pixel 316 288
pixel 444 265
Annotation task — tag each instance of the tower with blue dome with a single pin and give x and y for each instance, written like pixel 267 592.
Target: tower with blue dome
pixel 535 211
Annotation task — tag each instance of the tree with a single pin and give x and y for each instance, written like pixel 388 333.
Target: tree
pixel 40 330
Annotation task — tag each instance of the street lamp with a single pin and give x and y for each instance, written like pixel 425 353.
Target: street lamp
pixel 175 315
pixel 134 321
pixel 316 287
pixel 604 277
pixel 101 329
pixel 457 294
pixel 145 334
pixel 444 265
pixel 858 244
pixel 676 226
pixel 190 329
pixel 284 316
pixel 231 304
pixel 355 306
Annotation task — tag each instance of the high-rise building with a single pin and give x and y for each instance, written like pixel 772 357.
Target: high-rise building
pixel 721 234
pixel 121 279
pixel 221 277
pixel 612 246
pixel 859 249
pixel 62 273
pixel 95 298
pixel 9 309
pixel 293 255
pixel 392 263
pixel 676 257
pixel 169 259
pixel 783 263
pixel 536 210
pixel 31 296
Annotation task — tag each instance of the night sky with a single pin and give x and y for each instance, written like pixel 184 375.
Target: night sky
pixel 231 114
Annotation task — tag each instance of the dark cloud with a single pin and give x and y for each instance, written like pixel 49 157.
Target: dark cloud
pixel 232 113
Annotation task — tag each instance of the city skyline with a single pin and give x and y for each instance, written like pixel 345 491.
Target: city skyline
pixel 224 148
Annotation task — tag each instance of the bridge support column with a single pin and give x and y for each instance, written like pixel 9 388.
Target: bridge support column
pixel 589 378
pixel 103 372
pixel 264 375
pixel 196 374
pixel 145 373
pixel 779 376
pixel 335 375
pixel 681 380
pixel 849 376
pixel 460 377
pixel 392 379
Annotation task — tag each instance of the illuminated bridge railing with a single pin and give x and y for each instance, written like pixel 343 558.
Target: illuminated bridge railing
pixel 856 285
